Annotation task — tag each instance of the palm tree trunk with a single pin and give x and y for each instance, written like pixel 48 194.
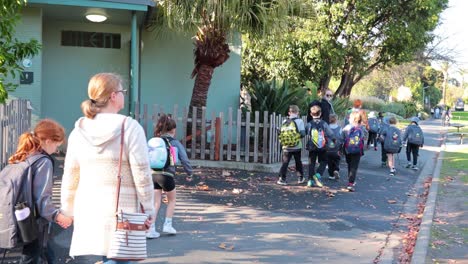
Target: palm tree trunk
pixel 200 88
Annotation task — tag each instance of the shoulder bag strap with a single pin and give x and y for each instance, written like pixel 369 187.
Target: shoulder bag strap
pixel 119 177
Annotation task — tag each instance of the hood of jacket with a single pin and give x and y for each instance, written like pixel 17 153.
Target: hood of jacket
pixel 101 130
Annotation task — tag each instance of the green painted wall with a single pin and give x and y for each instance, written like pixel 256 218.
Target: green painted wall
pixel 30 27
pixel 67 70
pixel 166 67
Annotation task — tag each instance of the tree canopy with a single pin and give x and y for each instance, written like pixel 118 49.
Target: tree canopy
pixel 11 49
pixel 349 39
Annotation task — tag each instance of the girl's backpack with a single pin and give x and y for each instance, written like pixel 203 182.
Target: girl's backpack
pixel 161 153
pixel 354 142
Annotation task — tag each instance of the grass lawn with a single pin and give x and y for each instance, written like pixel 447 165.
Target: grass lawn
pixel 454 162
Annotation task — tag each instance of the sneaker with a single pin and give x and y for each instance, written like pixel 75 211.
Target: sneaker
pixel 392 172
pixel 167 228
pixel 310 183
pixel 375 148
pixel 152 233
pixel 282 181
pixel 336 174
pixel 414 167
pixel 331 177
pixel 317 181
pixel 408 165
pixel 350 187
pixel 301 180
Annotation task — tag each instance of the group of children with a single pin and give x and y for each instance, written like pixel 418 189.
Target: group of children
pixel 328 142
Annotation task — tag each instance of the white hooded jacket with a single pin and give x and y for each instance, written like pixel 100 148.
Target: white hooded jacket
pixel 90 179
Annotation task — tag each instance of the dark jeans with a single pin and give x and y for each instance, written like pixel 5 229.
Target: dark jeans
pixel 37 252
pixel 372 139
pixel 322 159
pixel 333 160
pixel 384 153
pixel 353 164
pixel 414 149
pixel 286 158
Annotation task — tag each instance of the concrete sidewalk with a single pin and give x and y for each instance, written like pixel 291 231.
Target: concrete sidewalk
pixel 262 222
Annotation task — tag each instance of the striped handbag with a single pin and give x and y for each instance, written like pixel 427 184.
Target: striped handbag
pixel 128 241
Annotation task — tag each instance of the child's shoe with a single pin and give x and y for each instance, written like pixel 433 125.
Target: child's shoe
pixel 152 233
pixel 281 181
pixel 317 181
pixel 167 228
pixel 350 187
pixel 415 168
pixel 408 165
pixel 310 183
pixel 300 180
pixel 392 172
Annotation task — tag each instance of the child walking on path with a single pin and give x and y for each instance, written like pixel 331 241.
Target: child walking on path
pixel 354 135
pixel 291 132
pixel 334 149
pixel 383 126
pixel 392 143
pixel 415 139
pixel 163 179
pixel 34 149
pixel 374 127
pixel 319 133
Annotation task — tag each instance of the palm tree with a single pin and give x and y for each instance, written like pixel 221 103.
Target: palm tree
pixel 212 22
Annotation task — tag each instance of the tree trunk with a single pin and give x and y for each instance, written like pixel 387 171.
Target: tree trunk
pixel 324 83
pixel 200 88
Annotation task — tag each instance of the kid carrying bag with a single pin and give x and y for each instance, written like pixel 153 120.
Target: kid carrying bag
pixel 289 135
pixel 16 188
pixel 392 141
pixel 354 142
pixel 416 135
pixel 161 153
pixel 317 139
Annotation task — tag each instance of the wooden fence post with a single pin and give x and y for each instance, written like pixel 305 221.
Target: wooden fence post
pixel 217 137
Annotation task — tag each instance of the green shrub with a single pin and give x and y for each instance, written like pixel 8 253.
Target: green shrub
pixel 370 103
pixel 411 109
pixel 396 108
pixel 277 96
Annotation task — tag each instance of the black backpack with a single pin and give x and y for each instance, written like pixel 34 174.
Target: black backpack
pixel 15 186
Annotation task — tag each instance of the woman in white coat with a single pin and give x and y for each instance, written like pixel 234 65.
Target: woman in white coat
pixel 90 172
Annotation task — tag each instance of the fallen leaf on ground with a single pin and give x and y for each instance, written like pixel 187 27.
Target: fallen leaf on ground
pixel 203 187
pixel 237 191
pixel 226 247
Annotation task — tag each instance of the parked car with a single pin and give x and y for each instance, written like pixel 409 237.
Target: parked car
pixel 459 105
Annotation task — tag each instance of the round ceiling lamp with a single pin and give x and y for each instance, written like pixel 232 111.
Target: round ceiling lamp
pixel 97 18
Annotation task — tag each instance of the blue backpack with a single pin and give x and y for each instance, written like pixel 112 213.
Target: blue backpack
pixel 354 142
pixel 374 125
pixel 161 153
pixel 392 141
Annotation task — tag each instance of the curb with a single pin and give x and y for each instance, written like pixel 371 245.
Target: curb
pixel 424 234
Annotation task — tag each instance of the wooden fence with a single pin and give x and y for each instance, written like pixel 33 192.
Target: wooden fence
pixel 15 118
pixel 232 136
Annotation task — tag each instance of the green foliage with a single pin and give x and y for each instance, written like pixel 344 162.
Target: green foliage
pixel 277 96
pixel 396 108
pixel 340 105
pixel 411 109
pixel 11 49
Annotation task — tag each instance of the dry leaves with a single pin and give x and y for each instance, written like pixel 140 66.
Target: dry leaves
pixel 225 246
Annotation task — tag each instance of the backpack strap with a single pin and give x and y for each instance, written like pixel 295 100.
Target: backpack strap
pixel 295 125
pixel 167 141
